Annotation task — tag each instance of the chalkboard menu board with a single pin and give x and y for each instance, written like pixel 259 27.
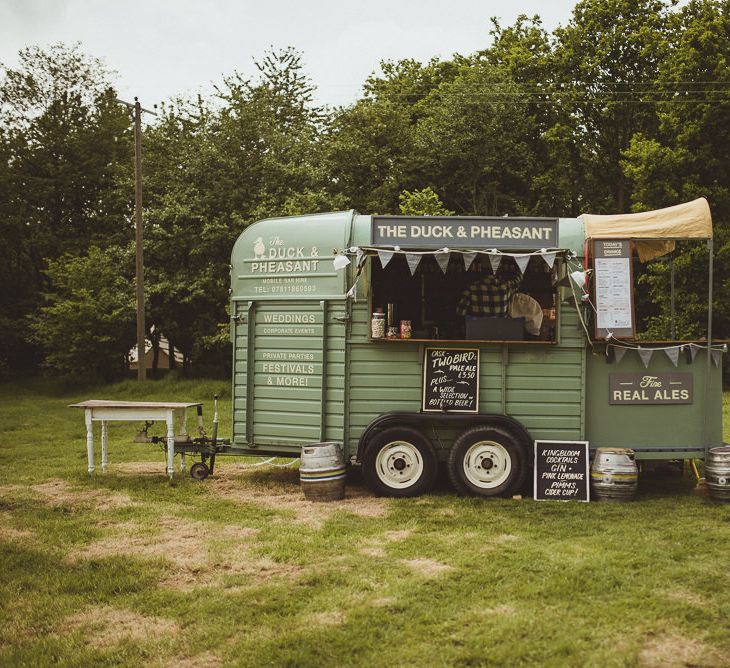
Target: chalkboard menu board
pixel 561 470
pixel 451 380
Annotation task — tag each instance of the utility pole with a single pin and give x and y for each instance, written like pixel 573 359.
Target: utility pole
pixel 136 111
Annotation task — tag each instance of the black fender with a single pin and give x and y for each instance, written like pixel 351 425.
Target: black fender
pixel 421 420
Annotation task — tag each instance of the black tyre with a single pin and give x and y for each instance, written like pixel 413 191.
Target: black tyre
pixel 399 462
pixel 199 471
pixel 487 461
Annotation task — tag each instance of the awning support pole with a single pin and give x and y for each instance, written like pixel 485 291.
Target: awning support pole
pixel 673 333
pixel 708 372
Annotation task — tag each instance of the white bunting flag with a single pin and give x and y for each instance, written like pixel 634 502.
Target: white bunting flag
pixel 521 261
pixel 646 355
pixel 549 258
pixel 413 260
pixel 619 353
pixel 469 260
pixel 693 349
pixel 673 354
pixel 385 257
pixel 443 260
pixel 716 357
pixel 495 259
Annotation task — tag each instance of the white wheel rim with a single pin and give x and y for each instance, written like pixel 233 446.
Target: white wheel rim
pixel 487 464
pixel 399 464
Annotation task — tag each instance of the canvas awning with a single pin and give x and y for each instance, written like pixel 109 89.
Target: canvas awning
pixel 654 232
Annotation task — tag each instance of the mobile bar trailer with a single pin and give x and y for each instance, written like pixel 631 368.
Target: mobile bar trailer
pixel 345 329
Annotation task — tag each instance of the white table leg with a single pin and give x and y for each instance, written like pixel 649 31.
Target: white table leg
pixel 104 445
pixel 89 440
pixel 182 432
pixel 170 444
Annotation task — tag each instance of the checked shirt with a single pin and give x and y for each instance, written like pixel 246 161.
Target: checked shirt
pixel 489 296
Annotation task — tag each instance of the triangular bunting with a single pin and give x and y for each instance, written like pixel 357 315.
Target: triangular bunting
pixel 619 352
pixel 521 261
pixel 413 260
pixel 385 257
pixel 443 260
pixel 495 259
pixel 549 258
pixel 716 357
pixel 646 355
pixel 469 260
pixel 693 349
pixel 673 354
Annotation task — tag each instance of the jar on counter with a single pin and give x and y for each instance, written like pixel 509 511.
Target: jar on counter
pixel 377 325
pixel 392 333
pixel 406 331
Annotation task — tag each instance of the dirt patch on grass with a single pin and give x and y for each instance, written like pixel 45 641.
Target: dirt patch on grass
pixel 502 610
pixel 11 534
pixel 141 468
pixel 332 618
pixel 58 492
pixel 106 626
pixel 505 538
pixel 426 567
pixel 384 601
pixel 198 552
pixel 204 660
pixel 280 491
pixel 672 650
pixel 396 536
pixel 376 552
pixel 683 596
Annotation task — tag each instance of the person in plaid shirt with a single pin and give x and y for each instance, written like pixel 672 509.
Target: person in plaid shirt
pixel 490 295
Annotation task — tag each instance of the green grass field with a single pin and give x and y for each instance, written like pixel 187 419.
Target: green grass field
pixel 128 569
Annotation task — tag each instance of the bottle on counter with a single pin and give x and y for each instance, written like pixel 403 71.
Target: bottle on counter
pixel 406 331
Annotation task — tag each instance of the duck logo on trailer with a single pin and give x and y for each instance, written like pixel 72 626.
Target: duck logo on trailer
pixel 283 259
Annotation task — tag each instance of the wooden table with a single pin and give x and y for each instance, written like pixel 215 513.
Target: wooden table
pixel 96 410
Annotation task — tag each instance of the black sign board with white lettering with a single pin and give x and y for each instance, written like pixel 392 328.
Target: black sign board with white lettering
pixel 464 232
pixel 650 388
pixel 562 471
pixel 451 380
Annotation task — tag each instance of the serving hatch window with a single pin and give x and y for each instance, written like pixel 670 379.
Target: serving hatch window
pixel 463 296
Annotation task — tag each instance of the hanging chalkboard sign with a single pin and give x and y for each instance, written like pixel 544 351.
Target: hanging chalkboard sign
pixel 451 380
pixel 561 470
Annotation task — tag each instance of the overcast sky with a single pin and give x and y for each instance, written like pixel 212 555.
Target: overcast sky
pixel 163 48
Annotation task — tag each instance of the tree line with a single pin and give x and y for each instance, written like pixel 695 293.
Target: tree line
pixel 624 108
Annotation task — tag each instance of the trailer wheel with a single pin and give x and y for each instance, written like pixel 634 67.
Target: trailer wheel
pixel 487 461
pixel 399 462
pixel 199 471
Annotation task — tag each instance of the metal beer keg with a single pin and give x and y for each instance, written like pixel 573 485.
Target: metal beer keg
pixel 614 474
pixel 717 472
pixel 322 472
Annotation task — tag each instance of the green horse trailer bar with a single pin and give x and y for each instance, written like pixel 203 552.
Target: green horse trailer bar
pixel 355 329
